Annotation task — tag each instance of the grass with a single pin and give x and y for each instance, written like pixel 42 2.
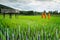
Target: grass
pixel 29 28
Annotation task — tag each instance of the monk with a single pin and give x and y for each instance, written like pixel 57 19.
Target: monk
pixel 44 14
pixel 48 15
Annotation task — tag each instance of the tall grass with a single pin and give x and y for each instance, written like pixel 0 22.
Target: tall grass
pixel 29 28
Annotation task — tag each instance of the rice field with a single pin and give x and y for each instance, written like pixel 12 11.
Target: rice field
pixel 29 28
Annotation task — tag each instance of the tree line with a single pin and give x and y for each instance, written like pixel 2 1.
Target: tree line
pixel 38 13
pixel 34 13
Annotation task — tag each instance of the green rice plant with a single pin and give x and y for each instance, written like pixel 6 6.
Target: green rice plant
pixel 29 28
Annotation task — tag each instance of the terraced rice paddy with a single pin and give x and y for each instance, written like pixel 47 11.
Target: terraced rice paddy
pixel 29 28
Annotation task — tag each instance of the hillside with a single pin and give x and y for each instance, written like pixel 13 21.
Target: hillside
pixel 5 7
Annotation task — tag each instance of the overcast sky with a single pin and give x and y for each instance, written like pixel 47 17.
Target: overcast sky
pixel 36 5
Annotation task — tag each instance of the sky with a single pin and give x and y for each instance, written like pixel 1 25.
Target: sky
pixel 35 5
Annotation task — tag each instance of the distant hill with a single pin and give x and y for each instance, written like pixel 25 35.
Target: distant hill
pixel 4 7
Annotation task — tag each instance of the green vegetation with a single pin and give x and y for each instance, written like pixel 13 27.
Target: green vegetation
pixel 29 28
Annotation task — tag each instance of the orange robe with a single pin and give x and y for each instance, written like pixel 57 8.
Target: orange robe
pixel 49 16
